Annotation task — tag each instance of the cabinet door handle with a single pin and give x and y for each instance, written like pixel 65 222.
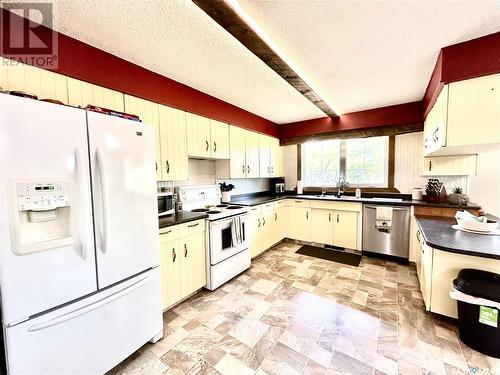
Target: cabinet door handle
pixel 215 146
pixel 329 216
pixel 258 223
pixel 248 169
pixel 193 225
pixel 338 218
pixel 263 221
pixel 174 255
pixel 275 216
pixel 243 168
pixel 206 145
pixel 167 164
pixel 185 251
pixel 307 215
pixel 430 165
pixel 156 166
pixel 418 235
pixel 298 201
pixel 168 231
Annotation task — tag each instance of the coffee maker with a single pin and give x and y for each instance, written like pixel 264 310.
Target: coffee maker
pixel 278 186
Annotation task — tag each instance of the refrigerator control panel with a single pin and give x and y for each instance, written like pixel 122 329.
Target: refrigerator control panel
pixel 40 196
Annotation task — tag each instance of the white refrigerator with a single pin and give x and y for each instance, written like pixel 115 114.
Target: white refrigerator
pixel 79 246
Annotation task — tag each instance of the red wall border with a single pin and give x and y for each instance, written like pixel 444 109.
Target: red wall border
pixel 87 63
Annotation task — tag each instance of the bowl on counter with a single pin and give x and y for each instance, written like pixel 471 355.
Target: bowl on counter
pixel 477 226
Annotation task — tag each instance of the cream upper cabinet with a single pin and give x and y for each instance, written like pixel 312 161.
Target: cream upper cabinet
pixel 474 111
pixel 207 138
pixel 148 112
pixel 435 125
pixel 174 157
pixel 458 165
pixel 264 156
pixel 198 136
pixel 276 157
pixel 82 93
pixel 466 114
pixel 43 83
pixel 219 135
pixel 244 153
pixel 322 226
pixel 252 154
pixel 237 146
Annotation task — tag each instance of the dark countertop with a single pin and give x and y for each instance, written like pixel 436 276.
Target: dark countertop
pixel 254 200
pixel 438 234
pixel 179 218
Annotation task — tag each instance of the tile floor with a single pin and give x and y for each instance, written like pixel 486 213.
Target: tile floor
pixel 292 314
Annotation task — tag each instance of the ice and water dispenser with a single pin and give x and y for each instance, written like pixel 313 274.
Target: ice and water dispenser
pixel 43 216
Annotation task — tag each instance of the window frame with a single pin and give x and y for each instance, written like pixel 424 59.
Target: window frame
pixel 389 181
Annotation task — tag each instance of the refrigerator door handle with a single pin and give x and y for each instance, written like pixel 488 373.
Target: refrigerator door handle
pixel 86 309
pixel 78 163
pixel 104 199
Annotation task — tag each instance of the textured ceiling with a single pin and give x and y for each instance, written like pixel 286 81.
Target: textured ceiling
pixel 178 40
pixel 366 54
pixel 356 54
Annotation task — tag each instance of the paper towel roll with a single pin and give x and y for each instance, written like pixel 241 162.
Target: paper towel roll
pixel 299 187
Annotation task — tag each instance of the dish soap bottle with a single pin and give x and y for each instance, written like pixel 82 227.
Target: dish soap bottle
pixel 358 192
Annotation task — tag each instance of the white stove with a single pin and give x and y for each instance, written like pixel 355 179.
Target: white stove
pixel 227 232
pixel 207 199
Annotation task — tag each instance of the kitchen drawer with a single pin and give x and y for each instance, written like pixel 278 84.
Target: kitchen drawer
pixel 298 202
pixel 256 210
pixel 335 205
pixel 281 203
pixel 191 227
pixel 169 233
pixel 268 206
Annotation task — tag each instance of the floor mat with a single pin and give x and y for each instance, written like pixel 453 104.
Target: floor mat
pixel 338 256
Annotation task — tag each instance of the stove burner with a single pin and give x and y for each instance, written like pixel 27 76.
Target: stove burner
pixel 221 205
pixel 212 212
pixel 200 210
pixel 234 207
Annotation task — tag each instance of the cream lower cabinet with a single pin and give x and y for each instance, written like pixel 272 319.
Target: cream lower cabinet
pixel 268 226
pixel 182 261
pixel 345 229
pixel 322 226
pixel 173 148
pixel 299 220
pixel 445 269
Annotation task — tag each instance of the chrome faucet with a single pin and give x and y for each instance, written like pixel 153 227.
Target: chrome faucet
pixel 341 185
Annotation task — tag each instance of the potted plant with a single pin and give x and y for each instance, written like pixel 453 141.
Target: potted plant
pixel 458 197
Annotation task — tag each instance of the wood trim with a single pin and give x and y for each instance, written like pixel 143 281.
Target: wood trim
pixel 222 13
pixel 299 162
pixel 87 63
pixel 442 211
pixel 391 161
pixel 391 117
pixel 355 133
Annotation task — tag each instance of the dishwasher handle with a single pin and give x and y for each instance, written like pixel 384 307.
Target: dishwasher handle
pixel 393 208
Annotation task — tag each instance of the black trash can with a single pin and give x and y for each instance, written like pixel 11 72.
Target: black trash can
pixel 479 324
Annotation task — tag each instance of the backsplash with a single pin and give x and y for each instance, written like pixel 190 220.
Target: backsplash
pixel 202 172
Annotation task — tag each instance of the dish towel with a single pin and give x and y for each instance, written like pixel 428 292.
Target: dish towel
pixel 235 231
pixel 383 217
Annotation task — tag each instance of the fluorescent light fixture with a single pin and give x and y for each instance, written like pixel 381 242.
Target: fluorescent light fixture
pixel 255 27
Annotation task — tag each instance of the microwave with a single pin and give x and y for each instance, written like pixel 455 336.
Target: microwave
pixel 165 203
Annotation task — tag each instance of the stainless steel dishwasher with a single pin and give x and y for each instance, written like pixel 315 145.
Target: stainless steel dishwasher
pixel 383 238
